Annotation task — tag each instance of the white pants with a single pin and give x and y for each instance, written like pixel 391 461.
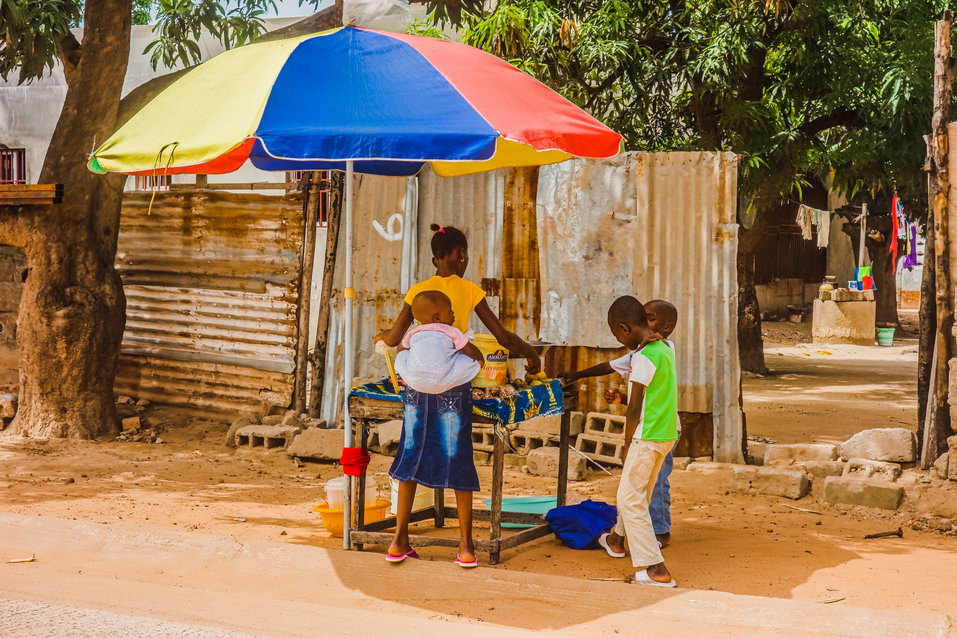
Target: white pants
pixel 637 484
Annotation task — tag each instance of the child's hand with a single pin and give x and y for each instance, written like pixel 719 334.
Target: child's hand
pixel 654 337
pixel 567 377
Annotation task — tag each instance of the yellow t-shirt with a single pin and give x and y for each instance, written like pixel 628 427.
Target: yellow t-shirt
pixel 464 294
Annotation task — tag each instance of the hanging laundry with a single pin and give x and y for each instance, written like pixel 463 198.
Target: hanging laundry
pixel 805 221
pixel 892 247
pixel 910 259
pixel 808 219
pixel 823 223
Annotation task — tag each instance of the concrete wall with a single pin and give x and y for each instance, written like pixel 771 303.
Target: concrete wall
pixel 775 297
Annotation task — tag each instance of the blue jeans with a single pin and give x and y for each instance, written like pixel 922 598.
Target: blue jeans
pixel 660 506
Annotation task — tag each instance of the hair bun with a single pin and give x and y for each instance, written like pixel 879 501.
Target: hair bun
pixel 435 228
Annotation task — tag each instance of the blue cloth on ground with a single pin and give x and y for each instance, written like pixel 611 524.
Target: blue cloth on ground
pixel 579 526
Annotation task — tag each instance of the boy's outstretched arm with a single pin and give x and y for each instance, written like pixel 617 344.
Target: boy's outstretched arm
pixel 470 350
pixel 599 370
pixel 633 416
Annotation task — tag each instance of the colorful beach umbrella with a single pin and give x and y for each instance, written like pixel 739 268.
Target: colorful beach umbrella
pixel 356 100
pixel 390 102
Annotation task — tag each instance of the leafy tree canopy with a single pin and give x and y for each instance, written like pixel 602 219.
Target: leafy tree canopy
pixel 799 88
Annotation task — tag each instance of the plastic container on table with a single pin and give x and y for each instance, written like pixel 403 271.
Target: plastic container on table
pixel 336 488
pixel 495 370
pixel 524 505
pixel 885 337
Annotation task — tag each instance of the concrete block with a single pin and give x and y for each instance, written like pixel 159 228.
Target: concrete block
pixel 514 460
pixel 756 452
pixel 868 492
pixel 800 452
pixel 712 469
pixel 577 425
pixel 389 433
pixel 241 422
pixel 865 468
pixel 483 439
pixel 544 462
pixel 267 436
pixel 291 418
pixel 541 425
pixel 482 458
pixel 605 425
pixel 317 443
pixel 952 464
pixel 881 444
pixel 771 481
pixel 8 406
pixel 525 442
pixel 599 448
pixel 682 462
pixel 821 469
pixel 941 465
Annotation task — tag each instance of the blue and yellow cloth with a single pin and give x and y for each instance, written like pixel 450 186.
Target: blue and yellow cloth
pixel 535 401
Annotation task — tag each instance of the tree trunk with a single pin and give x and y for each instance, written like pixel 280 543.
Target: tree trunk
pixel 750 341
pixel 72 310
pixel 940 189
pixel 928 332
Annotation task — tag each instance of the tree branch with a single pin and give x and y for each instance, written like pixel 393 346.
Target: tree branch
pixel 838 117
pixel 69 55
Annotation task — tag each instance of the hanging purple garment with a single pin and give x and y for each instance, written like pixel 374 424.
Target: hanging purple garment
pixel 910 259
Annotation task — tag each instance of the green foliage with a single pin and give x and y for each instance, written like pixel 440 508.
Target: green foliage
pixel 179 24
pixel 801 90
pixel 32 34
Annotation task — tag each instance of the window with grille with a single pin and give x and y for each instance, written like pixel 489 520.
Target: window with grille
pixel 324 181
pixel 13 165
pixel 151 182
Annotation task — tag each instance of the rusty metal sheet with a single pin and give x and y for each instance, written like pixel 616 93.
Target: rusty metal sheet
pixel 653 225
pixel 211 282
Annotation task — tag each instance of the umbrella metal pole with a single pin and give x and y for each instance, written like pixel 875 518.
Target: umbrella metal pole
pixel 347 352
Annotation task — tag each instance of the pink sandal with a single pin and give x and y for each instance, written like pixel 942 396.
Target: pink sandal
pixel 468 565
pixel 392 558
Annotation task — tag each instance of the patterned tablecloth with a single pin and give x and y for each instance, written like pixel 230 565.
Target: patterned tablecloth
pixel 535 401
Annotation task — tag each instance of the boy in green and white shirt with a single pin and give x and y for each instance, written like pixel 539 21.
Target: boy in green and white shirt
pixel 651 429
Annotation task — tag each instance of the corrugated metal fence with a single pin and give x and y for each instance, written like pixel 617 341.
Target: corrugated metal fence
pixel 212 277
pixel 211 284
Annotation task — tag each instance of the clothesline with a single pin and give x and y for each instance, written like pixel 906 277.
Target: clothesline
pixel 809 218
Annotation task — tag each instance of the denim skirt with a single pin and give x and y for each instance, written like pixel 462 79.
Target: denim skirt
pixel 435 448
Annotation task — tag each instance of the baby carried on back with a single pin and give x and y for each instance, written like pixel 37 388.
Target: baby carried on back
pixel 435 357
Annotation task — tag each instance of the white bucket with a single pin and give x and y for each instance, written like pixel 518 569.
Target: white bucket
pixel 336 489
pixel 423 497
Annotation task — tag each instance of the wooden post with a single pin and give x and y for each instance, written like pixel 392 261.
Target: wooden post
pixel 940 190
pixel 325 296
pixel 310 207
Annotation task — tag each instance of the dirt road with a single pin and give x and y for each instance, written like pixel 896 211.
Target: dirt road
pixel 277 589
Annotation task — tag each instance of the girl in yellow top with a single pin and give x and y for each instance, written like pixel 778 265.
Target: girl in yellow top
pixel 435 448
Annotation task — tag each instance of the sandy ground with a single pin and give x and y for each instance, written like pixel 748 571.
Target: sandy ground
pixel 727 542
pixel 827 393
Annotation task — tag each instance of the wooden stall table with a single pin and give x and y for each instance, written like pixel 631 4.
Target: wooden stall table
pixel 367 411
